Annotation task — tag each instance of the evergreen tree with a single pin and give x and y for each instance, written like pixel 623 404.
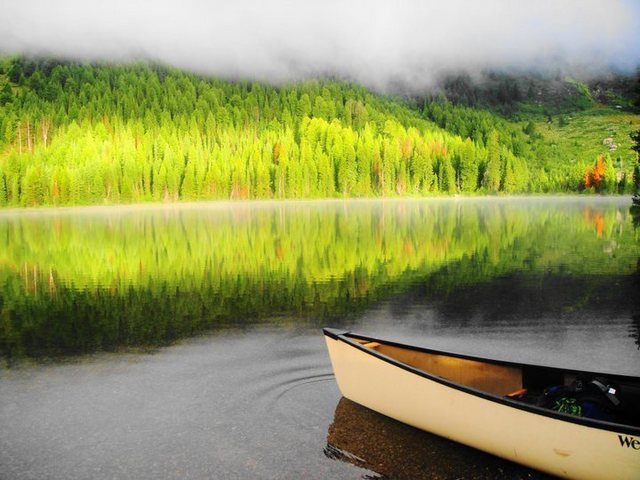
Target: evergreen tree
pixel 188 186
pixel 32 192
pixel 3 190
pixel 492 169
pixel 364 158
pixel 447 175
pixel 347 168
pixel 610 184
pixel 468 167
pixel 509 179
pixel 390 159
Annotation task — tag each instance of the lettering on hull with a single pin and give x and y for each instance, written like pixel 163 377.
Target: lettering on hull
pixel 629 442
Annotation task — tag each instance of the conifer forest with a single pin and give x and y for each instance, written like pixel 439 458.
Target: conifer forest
pixel 83 134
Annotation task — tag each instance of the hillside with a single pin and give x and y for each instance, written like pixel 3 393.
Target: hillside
pixel 73 134
pixel 566 123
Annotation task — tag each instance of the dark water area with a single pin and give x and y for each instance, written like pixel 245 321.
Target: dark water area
pixel 184 341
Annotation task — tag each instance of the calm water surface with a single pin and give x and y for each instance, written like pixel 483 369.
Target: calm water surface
pixel 183 341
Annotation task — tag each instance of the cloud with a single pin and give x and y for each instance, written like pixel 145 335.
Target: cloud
pixel 375 42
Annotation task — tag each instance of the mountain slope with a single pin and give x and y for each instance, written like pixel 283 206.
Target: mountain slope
pixel 90 134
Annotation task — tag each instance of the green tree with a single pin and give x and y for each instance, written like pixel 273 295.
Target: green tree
pixel 3 190
pixel 32 187
pixel 610 183
pixel 468 167
pixel 326 185
pixel 447 175
pixel 347 174
pixel 364 160
pixel 492 169
pixel 391 156
pixel 509 177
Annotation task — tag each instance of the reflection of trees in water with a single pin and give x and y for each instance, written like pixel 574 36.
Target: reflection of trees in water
pixel 525 295
pixel 635 218
pixel 68 321
pixel 394 450
pixel 74 284
pixel 635 211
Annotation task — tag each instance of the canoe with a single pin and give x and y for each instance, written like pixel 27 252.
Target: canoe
pixel 546 418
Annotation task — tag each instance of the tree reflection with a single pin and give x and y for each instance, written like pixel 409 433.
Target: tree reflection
pixel 77 283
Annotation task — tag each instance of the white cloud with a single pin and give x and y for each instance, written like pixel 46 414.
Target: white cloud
pixel 375 42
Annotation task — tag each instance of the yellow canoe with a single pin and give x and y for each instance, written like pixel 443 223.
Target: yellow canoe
pixel 487 404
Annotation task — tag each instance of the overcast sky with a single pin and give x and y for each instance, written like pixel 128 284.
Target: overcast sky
pixel 375 42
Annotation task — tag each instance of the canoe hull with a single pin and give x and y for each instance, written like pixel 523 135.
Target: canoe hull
pixel 555 446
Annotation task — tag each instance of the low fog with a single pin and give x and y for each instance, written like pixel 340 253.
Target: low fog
pixel 382 44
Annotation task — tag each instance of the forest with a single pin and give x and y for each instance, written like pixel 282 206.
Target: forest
pixel 84 134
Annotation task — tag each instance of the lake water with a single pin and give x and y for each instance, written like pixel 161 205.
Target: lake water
pixel 183 341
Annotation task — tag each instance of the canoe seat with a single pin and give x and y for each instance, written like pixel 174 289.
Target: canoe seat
pixel 372 345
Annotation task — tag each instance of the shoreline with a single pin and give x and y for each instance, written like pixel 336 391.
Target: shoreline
pixel 265 203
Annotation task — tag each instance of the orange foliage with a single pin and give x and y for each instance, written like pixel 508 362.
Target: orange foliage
pixel 598 171
pixel 593 176
pixel 595 218
pixel 598 221
pixel 586 178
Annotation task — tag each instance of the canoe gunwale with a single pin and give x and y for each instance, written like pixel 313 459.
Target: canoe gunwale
pixel 345 336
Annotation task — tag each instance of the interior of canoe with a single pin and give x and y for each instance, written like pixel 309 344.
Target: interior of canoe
pixel 520 382
pixel 494 378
